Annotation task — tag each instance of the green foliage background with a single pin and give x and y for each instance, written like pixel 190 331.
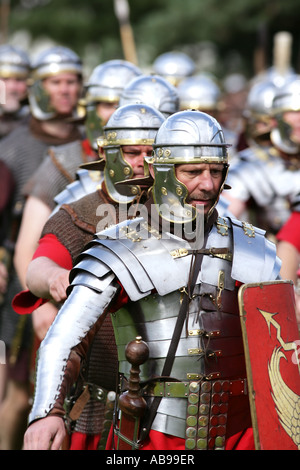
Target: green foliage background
pixel 234 29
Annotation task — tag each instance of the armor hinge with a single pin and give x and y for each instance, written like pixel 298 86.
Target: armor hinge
pixel 221 286
pixel 222 226
pixel 248 229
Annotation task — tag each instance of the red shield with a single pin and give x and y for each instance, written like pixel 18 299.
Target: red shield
pixel 271 341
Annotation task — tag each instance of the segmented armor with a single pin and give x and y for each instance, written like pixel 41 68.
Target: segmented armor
pixel 262 176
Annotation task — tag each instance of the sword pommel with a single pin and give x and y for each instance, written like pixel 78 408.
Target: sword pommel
pixel 130 402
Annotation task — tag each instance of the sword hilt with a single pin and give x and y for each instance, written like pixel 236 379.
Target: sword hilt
pixel 130 402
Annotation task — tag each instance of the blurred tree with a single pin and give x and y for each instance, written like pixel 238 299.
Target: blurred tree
pixel 236 28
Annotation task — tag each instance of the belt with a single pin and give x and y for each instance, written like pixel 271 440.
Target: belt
pixel 207 407
pixel 182 389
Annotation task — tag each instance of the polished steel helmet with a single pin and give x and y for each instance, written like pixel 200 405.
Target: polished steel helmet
pixel 108 80
pixel 258 109
pixel 14 62
pixel 105 85
pixel 199 92
pixel 132 124
pixel 51 62
pixel 189 136
pixel 174 66
pixel 56 60
pixel 153 90
pixel 287 98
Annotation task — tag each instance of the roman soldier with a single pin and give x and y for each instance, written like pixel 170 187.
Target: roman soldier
pixel 175 272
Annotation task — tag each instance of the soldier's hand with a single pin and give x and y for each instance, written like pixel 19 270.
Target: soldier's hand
pixel 58 283
pixel 42 318
pixel 3 278
pixel 45 434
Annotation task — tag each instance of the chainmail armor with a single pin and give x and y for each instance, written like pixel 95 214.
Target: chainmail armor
pixel 60 167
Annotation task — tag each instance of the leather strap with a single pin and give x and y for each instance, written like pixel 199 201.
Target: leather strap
pixel 80 404
pixel 194 270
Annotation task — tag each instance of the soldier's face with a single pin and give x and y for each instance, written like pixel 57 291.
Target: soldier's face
pixel 15 91
pixel 134 155
pixel 105 110
pixel 203 182
pixel 63 90
pixel 293 119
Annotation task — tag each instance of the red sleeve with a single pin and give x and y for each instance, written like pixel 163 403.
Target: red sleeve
pixel 25 302
pixel 290 232
pixel 52 248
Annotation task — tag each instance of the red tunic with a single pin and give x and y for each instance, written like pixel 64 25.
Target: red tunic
pixel 290 232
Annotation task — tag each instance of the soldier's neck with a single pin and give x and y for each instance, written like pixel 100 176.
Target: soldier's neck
pixel 57 128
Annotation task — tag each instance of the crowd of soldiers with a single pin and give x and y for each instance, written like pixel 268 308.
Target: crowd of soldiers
pixel 81 156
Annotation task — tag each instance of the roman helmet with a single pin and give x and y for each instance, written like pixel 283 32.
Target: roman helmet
pixel 105 85
pixel 50 62
pixel 153 90
pixel 258 110
pixel 199 92
pixel 188 136
pixel 132 124
pixel 287 98
pixel 14 62
pixel 174 66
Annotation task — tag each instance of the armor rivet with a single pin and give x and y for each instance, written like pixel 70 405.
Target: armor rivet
pixel 134 190
pixel 201 444
pixel 203 421
pixel 191 432
pixel 178 191
pixel 191 420
pixel 202 432
pixel 193 398
pixel 126 170
pixel 160 152
pixel 192 410
pixel 164 191
pixel 204 409
pixel 194 387
pixel 111 173
pixel 190 444
pixel 206 387
pixel 167 152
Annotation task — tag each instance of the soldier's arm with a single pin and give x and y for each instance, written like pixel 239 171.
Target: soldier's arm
pixel 61 354
pixel 290 258
pixel 46 279
pixel 35 215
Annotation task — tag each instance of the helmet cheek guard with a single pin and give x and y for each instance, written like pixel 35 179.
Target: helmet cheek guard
pixel 169 195
pixel 117 169
pixel 286 99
